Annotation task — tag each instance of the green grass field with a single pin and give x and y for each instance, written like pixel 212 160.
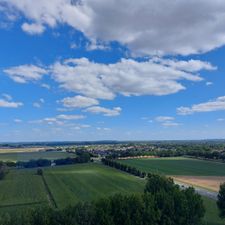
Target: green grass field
pixel 178 166
pixel 26 156
pixel 22 187
pixel 68 185
pixel 84 182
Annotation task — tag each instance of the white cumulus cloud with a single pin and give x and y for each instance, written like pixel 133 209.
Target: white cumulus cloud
pixel 127 77
pixel 214 105
pixel 33 28
pixel 145 27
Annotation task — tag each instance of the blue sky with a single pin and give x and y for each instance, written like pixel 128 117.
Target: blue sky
pixel 89 70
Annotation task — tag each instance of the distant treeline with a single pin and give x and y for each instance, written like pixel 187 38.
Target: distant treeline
pixel 198 152
pixel 81 157
pixel 208 155
pixel 162 203
pixel 129 169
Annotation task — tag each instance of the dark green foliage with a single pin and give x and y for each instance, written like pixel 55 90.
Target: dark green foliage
pixel 146 209
pixel 183 207
pixel 82 157
pixel 221 200
pixel 123 167
pixel 66 161
pixel 157 183
pixel 10 164
pixel 3 170
pixel 34 163
pixel 39 172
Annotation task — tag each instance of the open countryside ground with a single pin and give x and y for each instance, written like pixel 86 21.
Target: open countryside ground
pixel 70 184
pixel 84 182
pixel 178 166
pixel 26 156
pixel 67 184
pixel 22 187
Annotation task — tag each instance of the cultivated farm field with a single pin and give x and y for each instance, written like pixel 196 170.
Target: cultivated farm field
pixel 22 187
pixel 67 184
pixel 178 166
pixel 85 182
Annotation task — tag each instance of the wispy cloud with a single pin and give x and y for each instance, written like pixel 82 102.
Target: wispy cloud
pixel 79 102
pixel 105 111
pixel 164 118
pixel 18 120
pixel 39 103
pixel 25 73
pixel 9 104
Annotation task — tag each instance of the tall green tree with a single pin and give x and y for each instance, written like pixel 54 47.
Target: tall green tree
pixel 221 200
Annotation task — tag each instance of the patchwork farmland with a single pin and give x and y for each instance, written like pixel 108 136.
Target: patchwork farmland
pixel 68 185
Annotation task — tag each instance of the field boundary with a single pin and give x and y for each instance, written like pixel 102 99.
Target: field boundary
pixel 49 193
pixel 22 204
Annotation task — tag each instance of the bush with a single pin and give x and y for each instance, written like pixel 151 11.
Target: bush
pixel 34 163
pixel 3 170
pixel 39 172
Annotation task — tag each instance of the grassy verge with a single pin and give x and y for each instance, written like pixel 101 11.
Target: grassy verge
pixel 212 213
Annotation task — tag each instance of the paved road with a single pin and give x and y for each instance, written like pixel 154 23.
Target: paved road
pixel 201 191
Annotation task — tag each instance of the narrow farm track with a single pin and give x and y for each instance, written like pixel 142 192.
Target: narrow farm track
pixel 50 197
